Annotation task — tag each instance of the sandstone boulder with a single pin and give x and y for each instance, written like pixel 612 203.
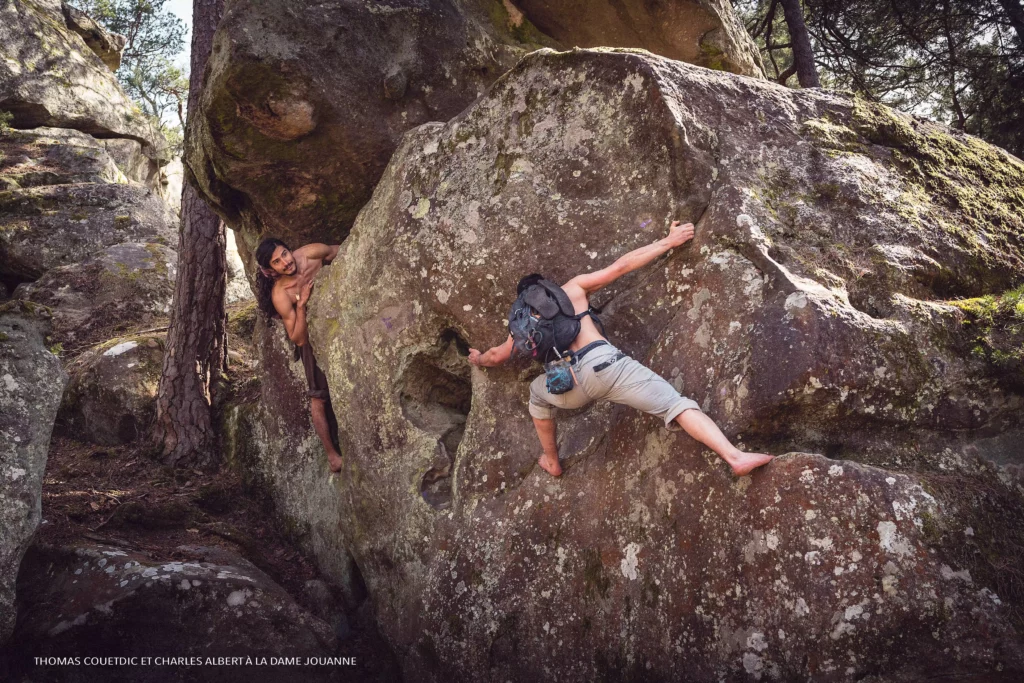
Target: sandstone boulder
pixel 111 395
pixel 46 227
pixel 812 312
pixel 305 103
pixel 106 45
pixel 702 32
pixel 120 289
pixel 98 600
pixel 31 383
pixel 50 77
pixel 56 156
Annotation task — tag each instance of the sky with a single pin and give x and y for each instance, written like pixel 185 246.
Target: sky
pixel 183 10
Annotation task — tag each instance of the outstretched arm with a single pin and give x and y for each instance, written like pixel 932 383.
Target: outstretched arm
pixel 678 233
pixel 496 355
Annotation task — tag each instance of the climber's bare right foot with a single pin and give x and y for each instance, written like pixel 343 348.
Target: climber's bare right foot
pixel 550 465
pixel 744 463
pixel 334 461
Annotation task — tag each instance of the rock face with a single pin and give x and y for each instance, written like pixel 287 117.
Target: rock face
pixel 305 103
pixel 49 76
pixel 57 225
pixel 111 395
pixel 31 382
pixel 96 600
pixel 122 287
pixel 272 441
pixel 702 32
pixel 810 313
pixel 105 44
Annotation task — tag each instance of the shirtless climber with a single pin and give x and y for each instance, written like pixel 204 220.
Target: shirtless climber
pixel 284 285
pixel 596 369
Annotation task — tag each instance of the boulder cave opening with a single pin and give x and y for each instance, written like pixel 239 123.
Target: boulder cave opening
pixel 436 395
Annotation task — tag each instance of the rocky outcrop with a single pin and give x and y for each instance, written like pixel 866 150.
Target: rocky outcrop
pixel 304 104
pixel 31 382
pixel 111 395
pixel 97 600
pixel 106 45
pixel 810 313
pixel 49 76
pixel 702 32
pixel 42 228
pixel 121 288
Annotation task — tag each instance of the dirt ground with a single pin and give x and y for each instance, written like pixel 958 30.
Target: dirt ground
pixel 123 496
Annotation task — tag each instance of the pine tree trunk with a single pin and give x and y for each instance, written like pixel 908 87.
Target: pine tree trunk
pixel 803 57
pixel 196 350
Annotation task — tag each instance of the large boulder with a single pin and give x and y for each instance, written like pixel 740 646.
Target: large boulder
pixel 49 76
pixel 97 600
pixel 31 383
pixel 810 313
pixel 111 395
pixel 120 289
pixel 46 227
pixel 702 32
pixel 305 102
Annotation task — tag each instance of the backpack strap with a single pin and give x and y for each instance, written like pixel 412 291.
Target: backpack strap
pixel 593 316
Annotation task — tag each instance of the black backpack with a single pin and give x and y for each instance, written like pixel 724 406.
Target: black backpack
pixel 543 322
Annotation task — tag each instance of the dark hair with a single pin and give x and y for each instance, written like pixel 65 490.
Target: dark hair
pixel 265 284
pixel 528 281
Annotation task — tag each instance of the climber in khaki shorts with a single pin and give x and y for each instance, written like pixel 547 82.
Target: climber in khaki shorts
pixel 602 372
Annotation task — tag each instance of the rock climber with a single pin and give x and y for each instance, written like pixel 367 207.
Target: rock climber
pixel 283 287
pixel 556 326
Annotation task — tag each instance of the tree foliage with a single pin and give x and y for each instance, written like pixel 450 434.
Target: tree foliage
pixel 154 36
pixel 956 61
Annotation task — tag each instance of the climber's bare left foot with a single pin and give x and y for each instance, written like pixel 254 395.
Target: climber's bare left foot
pixel 744 463
pixel 334 461
pixel 550 465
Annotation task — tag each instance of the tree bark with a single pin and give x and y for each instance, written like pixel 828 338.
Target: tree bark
pixel 803 57
pixel 196 350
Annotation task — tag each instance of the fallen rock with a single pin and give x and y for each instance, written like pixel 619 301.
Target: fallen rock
pixel 50 77
pixel 98 600
pixel 31 383
pixel 122 288
pixel 647 559
pixel 111 396
pixel 43 228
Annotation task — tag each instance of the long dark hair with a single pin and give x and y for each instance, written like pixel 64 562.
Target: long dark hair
pixel 264 282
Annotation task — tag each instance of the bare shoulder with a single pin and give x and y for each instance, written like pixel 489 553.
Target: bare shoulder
pixel 577 294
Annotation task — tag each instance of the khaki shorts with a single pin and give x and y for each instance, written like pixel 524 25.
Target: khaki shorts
pixel 607 374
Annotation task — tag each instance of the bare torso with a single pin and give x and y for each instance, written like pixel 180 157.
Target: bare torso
pixel 307 269
pixel 588 330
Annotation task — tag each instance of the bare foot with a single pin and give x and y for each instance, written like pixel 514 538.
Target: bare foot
pixel 550 465
pixel 743 463
pixel 334 461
